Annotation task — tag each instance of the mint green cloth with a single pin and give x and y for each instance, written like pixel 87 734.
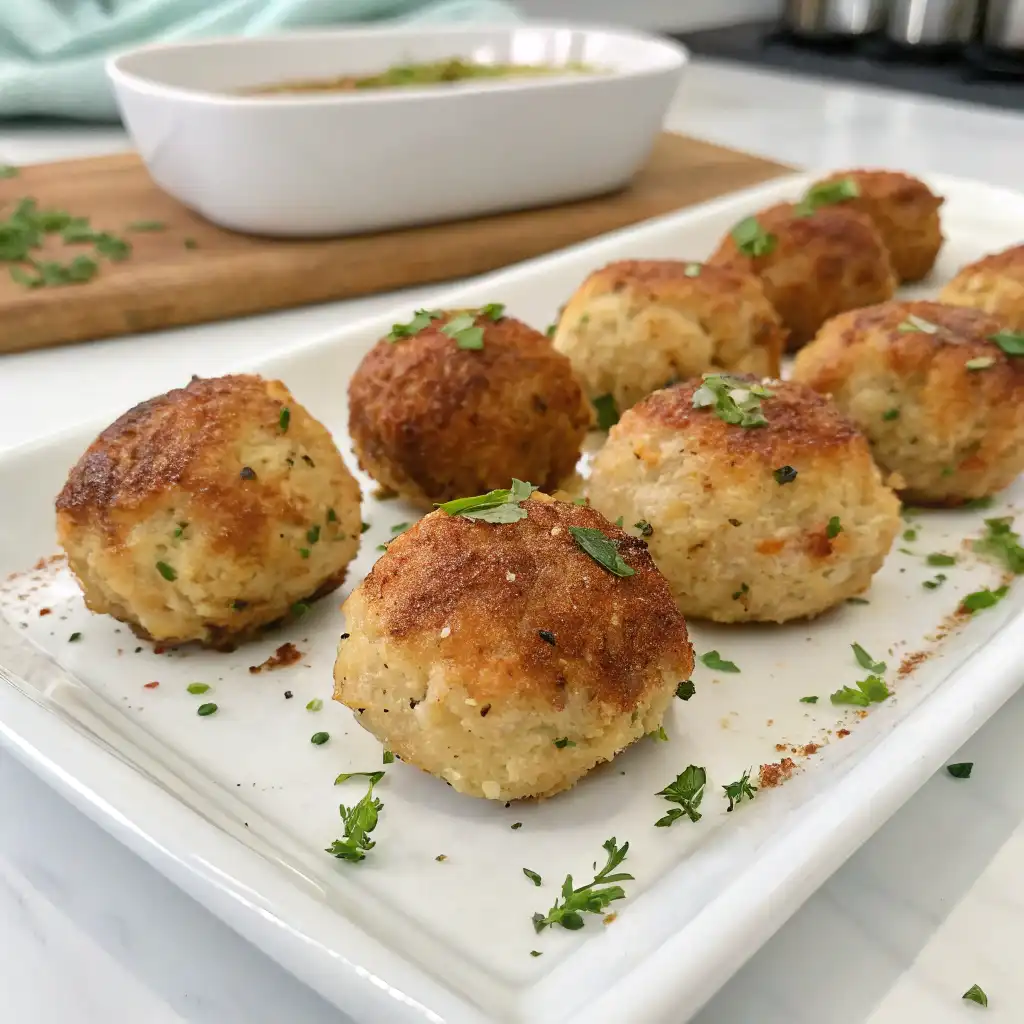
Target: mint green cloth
pixel 52 51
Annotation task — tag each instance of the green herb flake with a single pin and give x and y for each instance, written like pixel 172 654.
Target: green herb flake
pixel 592 898
pixel 516 825
pixel 533 876
pixel 935 582
pixel 871 690
pixel 938 558
pixel 284 419
pixel 659 735
pixel 601 549
pixel 313 533
pixel 733 400
pixel 784 474
pixel 685 690
pixel 978 503
pixel 687 791
pixel 304 552
pixel 737 594
pixel 982 599
pixel 400 527
pixel 960 770
pixel 751 239
pixel 359 821
pixel 1011 342
pixel 857 600
pixel 866 661
pixel 975 994
pixel 910 535
pixel 826 193
pixel 607 412
pixel 499 506
pixel 536 952
pixel 441 858
pixel 74 638
pixel 332 516
pixel 891 414
pixel 644 527
pixel 197 688
pixel 421 318
pixel 980 363
pixel 319 738
pixel 8 171
pixel 494 310
pixel 205 710
pixel 463 330
pixel 298 609
pixel 739 790
pixel 1001 543
pixel 315 704
pixel 808 700
pixel 692 270
pixel 364 527
pixel 714 661
pixel 115 249
pixel 563 741
pixel 915 323
pixel 146 225
pixel 191 243
pixel 388 757
pixel 834 528
pixel 166 571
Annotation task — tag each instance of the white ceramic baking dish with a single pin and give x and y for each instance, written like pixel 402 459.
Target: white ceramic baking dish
pixel 347 162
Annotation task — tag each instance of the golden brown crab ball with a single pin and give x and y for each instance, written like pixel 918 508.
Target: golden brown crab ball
pixel 778 519
pixel 503 658
pixel 993 284
pixel 812 264
pixel 457 402
pixel 939 400
pixel 637 325
pixel 904 209
pixel 208 512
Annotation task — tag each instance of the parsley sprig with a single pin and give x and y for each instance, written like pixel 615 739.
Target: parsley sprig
pixel 1001 543
pixel 733 399
pixel 592 898
pixel 500 506
pixel 359 820
pixel 601 549
pixel 826 193
pixel 866 661
pixel 739 790
pixel 871 690
pixel 687 791
pixel 1011 342
pixel 751 239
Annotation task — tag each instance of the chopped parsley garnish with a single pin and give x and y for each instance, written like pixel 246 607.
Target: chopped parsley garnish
pixel 733 399
pixel 976 995
pixel 563 741
pixel 740 789
pixel 463 330
pixel 191 243
pixel 1002 544
pixel 685 690
pixel 319 738
pixel 313 533
pixel 977 503
pixel 8 171
pixel 298 609
pixel 74 638
pixel 960 770
pixel 915 323
pixel 500 506
pixel 607 412
pixel 866 661
pixel 910 535
pixel 644 527
pixel 939 558
pixel 784 474
pixel 363 527
pixel 197 687
pixel 737 594
pixel 751 239
pixel 826 193
pixel 980 363
pixel 146 225
pixel 692 270
pixel 891 414
pixel 114 248
pixel 550 332
pixel 717 663
pixel 51 274
pixel 687 791
pixel 834 528
pixel 869 691
pixel 659 735
pixel 857 600
pixel 601 549
pixel 421 318
pixel 332 516
pixel 304 552
pixel 592 898
pixel 205 710
pixel 284 419
pixel 547 636
pixel 374 777
pixel 315 704
pixel 359 821
pixel 516 825
pixel 400 527
pixel 166 571
pixel 1011 342
pixel 388 757
pixel 536 952
pixel 533 876
pixel 982 599
pixel 808 700
pixel 494 310
pixel 935 582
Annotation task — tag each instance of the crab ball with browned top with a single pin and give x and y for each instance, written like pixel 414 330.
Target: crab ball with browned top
pixel 509 657
pixel 903 208
pixel 812 262
pixel 209 512
pixel 759 501
pixel 638 325
pixel 931 387
pixel 458 402
pixel 993 284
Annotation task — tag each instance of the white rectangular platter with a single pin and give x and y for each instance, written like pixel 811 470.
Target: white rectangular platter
pixel 237 808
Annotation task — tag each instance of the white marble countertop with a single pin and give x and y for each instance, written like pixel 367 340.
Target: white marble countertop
pixel 931 905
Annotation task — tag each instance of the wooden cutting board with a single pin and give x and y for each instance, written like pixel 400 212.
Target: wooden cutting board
pixel 192 272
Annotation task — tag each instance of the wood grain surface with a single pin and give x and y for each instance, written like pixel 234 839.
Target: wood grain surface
pixel 168 281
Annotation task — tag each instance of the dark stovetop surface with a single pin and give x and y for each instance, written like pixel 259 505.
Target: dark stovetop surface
pixel 977 76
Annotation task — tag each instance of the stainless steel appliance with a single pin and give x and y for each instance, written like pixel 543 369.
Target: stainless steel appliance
pixel 824 19
pixel 932 23
pixel 1004 25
